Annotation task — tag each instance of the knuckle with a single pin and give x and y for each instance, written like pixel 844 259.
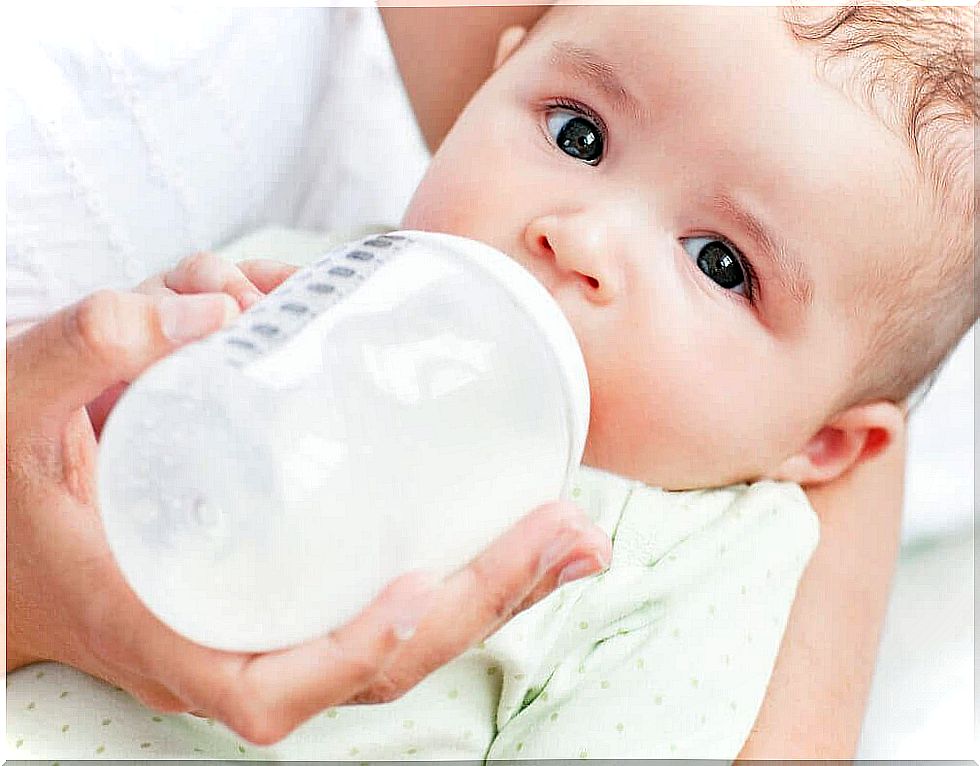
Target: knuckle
pixel 259 726
pixel 253 714
pixel 198 262
pixel 262 263
pixel 361 661
pixel 386 689
pixel 377 696
pixel 393 692
pixel 500 604
pixel 496 596
pixel 99 326
pixel 199 270
pixel 566 521
pixel 565 516
pixel 361 668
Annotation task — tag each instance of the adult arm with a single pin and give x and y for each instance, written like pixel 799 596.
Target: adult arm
pixel 815 703
pixel 445 54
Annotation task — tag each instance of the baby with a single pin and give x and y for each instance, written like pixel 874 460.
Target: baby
pixel 759 239
pixel 759 224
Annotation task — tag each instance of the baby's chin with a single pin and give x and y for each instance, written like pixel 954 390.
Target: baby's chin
pixel 663 466
pixel 654 477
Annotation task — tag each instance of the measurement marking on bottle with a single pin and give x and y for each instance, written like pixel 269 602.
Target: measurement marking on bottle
pixel 383 240
pixel 360 255
pixel 266 330
pixel 321 285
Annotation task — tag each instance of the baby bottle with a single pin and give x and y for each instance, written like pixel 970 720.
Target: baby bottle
pixel 394 406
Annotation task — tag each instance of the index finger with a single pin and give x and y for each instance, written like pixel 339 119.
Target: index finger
pixel 470 604
pixel 267 274
pixel 266 696
pixel 519 568
pixel 71 357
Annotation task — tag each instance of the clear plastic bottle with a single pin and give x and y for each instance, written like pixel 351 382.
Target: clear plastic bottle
pixel 396 405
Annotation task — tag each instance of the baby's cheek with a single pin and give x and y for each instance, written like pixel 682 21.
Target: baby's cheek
pixel 662 429
pixel 451 198
pixel 623 419
pixel 430 210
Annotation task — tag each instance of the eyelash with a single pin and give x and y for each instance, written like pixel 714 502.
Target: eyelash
pixel 578 107
pixel 584 110
pixel 751 279
pixel 750 276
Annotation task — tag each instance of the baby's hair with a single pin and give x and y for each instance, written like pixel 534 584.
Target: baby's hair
pixel 917 71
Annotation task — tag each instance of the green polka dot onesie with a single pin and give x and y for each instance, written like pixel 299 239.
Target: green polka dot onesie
pixel 667 654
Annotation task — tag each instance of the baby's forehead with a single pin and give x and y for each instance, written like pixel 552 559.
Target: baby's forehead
pixel 880 213
pixel 633 24
pixel 844 187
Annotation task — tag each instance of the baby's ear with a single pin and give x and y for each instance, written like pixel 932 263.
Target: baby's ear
pixel 853 436
pixel 510 40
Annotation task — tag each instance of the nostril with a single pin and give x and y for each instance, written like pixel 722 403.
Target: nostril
pixel 544 244
pixel 592 281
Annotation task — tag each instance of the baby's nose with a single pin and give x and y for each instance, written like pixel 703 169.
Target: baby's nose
pixel 582 251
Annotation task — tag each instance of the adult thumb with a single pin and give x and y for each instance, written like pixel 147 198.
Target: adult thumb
pixel 66 361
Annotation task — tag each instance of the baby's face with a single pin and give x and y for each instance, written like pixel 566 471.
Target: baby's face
pixel 705 209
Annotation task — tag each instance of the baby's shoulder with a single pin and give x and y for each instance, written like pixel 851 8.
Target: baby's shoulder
pixel 647 522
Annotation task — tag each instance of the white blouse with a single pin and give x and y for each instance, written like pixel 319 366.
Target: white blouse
pixel 138 135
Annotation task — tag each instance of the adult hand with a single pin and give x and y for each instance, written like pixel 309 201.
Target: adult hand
pixel 246 283
pixel 68 602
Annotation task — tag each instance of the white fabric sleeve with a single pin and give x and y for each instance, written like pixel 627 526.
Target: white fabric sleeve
pixel 137 136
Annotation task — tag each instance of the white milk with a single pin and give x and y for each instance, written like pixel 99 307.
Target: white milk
pixel 395 406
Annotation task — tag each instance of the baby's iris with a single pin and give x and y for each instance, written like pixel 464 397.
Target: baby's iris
pixel 718 262
pixel 576 135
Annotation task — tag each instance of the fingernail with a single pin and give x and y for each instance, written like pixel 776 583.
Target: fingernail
pixel 560 549
pixel 250 298
pixel 408 615
pixel 580 568
pixel 191 316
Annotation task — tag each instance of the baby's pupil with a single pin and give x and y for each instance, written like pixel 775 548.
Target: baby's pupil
pixel 578 138
pixel 717 261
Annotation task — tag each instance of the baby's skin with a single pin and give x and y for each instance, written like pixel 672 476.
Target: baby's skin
pixel 696 215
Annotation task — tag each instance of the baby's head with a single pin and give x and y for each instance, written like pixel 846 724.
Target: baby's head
pixel 759 222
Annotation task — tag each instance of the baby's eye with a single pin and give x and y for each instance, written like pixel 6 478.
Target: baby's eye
pixel 720 263
pixel 576 134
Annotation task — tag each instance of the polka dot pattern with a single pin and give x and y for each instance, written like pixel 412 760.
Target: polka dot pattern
pixel 665 655
pixel 667 664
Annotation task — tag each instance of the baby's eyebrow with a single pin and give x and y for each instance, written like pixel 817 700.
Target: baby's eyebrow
pixel 589 66
pixel 791 270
